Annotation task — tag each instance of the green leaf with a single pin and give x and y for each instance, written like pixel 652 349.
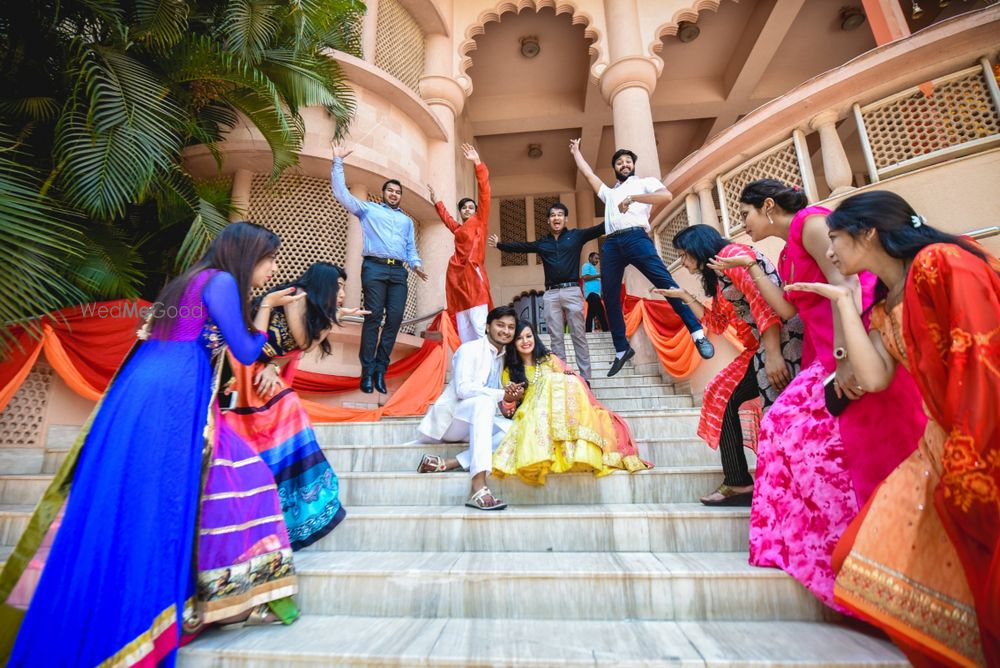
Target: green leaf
pixel 161 23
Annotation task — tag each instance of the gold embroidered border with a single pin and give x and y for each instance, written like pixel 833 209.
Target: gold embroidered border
pixel 240 527
pixel 143 644
pixel 240 495
pixel 213 611
pixel 235 465
pixel 950 623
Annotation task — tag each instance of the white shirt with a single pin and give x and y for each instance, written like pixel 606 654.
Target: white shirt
pixel 476 370
pixel 637 214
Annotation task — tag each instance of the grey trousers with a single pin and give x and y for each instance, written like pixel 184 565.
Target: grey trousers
pixel 562 305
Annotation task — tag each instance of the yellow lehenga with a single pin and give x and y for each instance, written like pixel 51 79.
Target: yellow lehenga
pixel 560 427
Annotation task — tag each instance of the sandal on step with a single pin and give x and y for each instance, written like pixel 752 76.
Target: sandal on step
pixel 432 464
pixel 259 616
pixel 476 500
pixel 730 497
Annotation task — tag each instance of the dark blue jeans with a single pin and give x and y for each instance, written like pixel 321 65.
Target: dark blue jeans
pixel 637 249
pixel 385 296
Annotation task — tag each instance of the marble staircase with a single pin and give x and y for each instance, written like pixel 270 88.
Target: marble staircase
pixel 627 570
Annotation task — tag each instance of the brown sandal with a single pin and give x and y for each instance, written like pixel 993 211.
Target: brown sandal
pixel 730 497
pixel 432 464
pixel 476 500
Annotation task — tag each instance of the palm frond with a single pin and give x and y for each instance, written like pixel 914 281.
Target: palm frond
pixel 208 222
pixel 37 236
pixel 111 265
pixel 116 131
pixel 37 109
pixel 250 25
pixel 160 23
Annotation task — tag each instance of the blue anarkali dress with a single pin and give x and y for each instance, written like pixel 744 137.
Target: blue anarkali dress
pixel 107 568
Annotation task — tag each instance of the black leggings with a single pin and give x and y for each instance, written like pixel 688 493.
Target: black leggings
pixel 595 309
pixel 734 461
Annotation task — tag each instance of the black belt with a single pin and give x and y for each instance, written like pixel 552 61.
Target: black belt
pixel 383 260
pixel 627 230
pixel 567 284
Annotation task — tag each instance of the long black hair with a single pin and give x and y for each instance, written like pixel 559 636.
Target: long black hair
pixel 512 360
pixel 321 282
pixel 901 231
pixel 237 250
pixel 702 243
pixel 790 198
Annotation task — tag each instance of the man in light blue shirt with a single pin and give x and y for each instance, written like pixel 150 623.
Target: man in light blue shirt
pixel 592 292
pixel 388 243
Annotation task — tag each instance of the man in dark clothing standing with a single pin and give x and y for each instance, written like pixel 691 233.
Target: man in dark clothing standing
pixel 592 293
pixel 563 299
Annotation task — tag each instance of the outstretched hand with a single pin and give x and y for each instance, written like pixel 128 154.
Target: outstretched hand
pixel 339 150
pixel 493 240
pixel 722 263
pixel 471 153
pixel 355 310
pixel 670 293
pixel 574 146
pixel 831 292
pixel 283 297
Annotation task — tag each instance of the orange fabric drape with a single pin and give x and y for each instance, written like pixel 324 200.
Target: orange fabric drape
pixel 14 370
pixel 413 397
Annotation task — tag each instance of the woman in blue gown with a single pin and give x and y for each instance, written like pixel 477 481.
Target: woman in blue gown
pixel 105 571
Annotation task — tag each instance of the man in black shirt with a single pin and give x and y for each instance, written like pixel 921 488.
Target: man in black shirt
pixel 563 299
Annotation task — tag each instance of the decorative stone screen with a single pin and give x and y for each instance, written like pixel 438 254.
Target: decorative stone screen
pixel 910 125
pixel 311 223
pixel 22 420
pixel 513 227
pixel 399 44
pixel 541 210
pixel 412 280
pixel 779 163
pixel 676 222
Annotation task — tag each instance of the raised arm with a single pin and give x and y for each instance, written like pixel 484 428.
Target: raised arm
pixel 514 246
pixel 339 184
pixel 591 233
pixel 445 217
pixel 225 306
pixel 483 203
pixel 581 164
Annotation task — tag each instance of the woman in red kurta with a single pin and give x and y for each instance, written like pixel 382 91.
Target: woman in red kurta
pixel 922 559
pixel 467 289
pixel 771 357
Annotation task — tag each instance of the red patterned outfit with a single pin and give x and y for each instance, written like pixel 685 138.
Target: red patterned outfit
pixel 467 288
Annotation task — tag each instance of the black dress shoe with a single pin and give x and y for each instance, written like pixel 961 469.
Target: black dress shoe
pixel 619 362
pixel 366 384
pixel 380 382
pixel 705 348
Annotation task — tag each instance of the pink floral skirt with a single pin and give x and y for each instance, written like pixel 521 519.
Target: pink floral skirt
pixel 803 497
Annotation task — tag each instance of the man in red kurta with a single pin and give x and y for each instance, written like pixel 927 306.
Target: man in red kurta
pixel 467 288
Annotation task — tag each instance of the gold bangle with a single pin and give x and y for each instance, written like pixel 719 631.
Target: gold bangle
pixel 265 306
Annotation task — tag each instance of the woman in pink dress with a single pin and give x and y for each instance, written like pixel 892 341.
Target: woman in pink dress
pixel 814 470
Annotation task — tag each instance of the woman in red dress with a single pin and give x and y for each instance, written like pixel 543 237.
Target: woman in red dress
pixel 467 289
pixel 922 559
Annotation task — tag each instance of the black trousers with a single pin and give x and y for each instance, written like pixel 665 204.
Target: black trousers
pixel 595 309
pixel 734 461
pixel 385 297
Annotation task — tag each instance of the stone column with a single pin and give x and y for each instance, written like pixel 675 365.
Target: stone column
pixel 692 204
pixel 627 84
pixel 239 195
pixel 708 214
pixel 355 245
pixel 446 98
pixel 369 29
pixel 836 168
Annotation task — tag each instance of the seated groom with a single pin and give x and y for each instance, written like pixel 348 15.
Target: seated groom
pixel 467 409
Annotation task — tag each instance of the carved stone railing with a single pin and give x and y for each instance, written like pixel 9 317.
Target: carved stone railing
pixel 923 100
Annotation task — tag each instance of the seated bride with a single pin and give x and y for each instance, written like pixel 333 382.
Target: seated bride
pixel 559 425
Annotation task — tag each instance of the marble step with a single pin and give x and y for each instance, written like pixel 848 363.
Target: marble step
pixel 662 423
pixel 22 460
pixel 681 527
pixel 405 458
pixel 638 401
pixel 710 586
pixel 355 642
pixel 603 393
pixel 660 485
